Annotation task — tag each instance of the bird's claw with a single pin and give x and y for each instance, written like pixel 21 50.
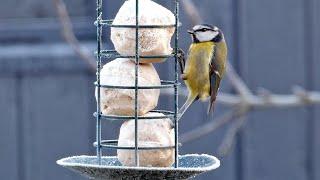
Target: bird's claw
pixel 181 59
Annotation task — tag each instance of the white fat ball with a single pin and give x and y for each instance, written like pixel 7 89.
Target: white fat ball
pixel 121 72
pixel 152 41
pixel 150 133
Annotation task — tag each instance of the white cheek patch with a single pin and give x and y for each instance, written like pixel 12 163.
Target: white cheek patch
pixel 206 36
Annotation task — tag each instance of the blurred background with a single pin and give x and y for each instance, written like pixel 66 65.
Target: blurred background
pixel 47 92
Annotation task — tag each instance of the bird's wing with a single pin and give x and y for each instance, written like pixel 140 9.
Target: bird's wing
pixel 181 59
pixel 215 79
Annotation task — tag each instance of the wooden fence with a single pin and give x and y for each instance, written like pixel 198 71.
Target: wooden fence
pixel 46 92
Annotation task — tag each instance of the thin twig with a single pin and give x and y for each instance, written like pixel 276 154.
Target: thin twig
pixel 212 125
pixel 229 139
pixel 69 36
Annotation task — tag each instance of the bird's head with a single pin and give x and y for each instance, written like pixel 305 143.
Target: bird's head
pixel 205 33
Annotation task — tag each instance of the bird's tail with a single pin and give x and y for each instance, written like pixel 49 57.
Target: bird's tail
pixel 215 84
pixel 185 106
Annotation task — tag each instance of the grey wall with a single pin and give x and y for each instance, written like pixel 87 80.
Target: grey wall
pixel 46 92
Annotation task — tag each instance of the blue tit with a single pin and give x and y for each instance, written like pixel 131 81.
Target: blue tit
pixel 205 66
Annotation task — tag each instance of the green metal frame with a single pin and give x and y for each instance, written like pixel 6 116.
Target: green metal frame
pixel 99 144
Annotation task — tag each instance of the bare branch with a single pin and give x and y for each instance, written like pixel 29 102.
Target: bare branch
pixel 68 34
pixel 212 125
pixel 301 98
pixel 229 139
pixel 263 101
pixel 273 100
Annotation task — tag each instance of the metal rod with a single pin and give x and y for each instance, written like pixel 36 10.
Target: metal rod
pixel 109 23
pixel 167 114
pixel 136 103
pixel 98 118
pixel 176 103
pixel 112 54
pixel 164 85
pixel 113 144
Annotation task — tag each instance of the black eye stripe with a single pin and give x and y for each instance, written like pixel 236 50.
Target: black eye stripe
pixel 203 30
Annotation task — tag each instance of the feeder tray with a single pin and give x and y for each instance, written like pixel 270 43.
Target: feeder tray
pixel 110 168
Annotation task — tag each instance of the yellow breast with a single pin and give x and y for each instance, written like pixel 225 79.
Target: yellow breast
pixel 197 68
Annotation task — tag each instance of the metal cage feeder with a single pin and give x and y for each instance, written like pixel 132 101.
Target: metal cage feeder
pixel 108 167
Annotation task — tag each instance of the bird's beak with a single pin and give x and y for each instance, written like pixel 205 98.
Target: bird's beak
pixel 190 31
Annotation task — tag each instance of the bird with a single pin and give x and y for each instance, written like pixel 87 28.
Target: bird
pixel 205 65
